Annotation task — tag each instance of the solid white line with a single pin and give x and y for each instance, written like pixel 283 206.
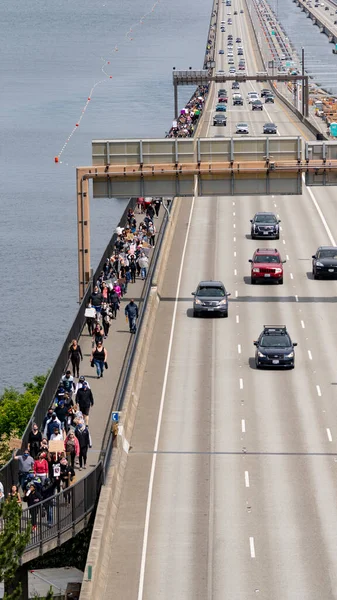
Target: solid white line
pixel 296 297
pixel 160 416
pixel 241 383
pixel 239 348
pixel 329 434
pixel 302 325
pixel 247 478
pixel 291 276
pixel 252 547
pixel 309 354
pixel 237 318
pixel 326 226
pixel 319 393
pixel 243 426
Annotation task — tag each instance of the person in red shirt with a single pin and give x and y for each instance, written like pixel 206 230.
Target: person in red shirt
pixel 41 467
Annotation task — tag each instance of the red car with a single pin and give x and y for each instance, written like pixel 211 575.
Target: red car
pixel 267 265
pixel 223 99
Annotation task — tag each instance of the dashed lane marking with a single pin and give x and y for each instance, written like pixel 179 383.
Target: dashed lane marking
pixel 247 478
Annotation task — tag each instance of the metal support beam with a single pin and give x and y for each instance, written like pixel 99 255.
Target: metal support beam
pixel 83 231
pixel 175 88
pixel 303 85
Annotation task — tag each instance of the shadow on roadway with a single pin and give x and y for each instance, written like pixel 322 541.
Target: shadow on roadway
pixel 189 314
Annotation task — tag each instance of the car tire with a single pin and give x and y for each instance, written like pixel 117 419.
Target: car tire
pixel 252 281
pixel 195 314
pixel 252 236
pixel 315 275
pixel 277 237
pixel 281 281
pixel 257 365
pixel 225 315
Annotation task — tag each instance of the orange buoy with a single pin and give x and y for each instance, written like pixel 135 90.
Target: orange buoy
pixel 56 159
pixel 77 124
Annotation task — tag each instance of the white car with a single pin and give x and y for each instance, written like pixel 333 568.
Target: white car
pixel 252 98
pixel 242 128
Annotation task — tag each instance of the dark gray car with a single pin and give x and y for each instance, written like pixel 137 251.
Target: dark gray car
pixel 324 262
pixel 265 225
pixel 210 297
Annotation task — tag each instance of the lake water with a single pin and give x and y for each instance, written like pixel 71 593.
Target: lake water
pixel 51 57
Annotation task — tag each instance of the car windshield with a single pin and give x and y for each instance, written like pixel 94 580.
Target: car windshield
pixel 265 219
pixel 332 253
pixel 270 125
pixel 242 125
pixel 275 341
pixel 266 258
pixel 211 292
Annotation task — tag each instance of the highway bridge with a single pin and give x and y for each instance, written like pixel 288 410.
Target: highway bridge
pixel 322 14
pixel 229 481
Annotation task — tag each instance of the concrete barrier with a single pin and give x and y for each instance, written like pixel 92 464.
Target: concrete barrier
pixel 105 521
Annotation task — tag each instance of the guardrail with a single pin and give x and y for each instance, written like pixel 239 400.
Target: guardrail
pixel 9 472
pixel 61 517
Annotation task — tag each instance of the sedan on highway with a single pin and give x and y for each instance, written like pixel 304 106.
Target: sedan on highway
pixel 242 128
pixel 232 70
pixel 219 120
pixel 237 100
pixel 210 297
pixel 264 92
pixel 274 348
pixel 235 85
pixel 324 262
pixel 270 128
pixel 265 225
pixel 266 265
pixel 238 40
pixel 269 99
pixel 221 107
pixel 221 52
pixel 257 105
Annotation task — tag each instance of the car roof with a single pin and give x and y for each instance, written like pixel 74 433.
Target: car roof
pixel 267 251
pixel 327 248
pixel 211 283
pixel 274 330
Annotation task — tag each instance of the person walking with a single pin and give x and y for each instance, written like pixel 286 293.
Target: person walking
pixel 32 497
pixel 75 355
pixel 68 383
pixel 14 494
pixel 2 492
pixel 133 269
pixel 99 358
pixel 47 492
pixel 85 399
pixel 83 436
pixel 26 464
pixel 34 441
pixel 157 204
pixel 41 467
pixel 67 476
pixel 50 426
pixel 72 447
pixel 90 317
pixel 96 299
pixel 131 312
pixel 143 262
pixel 114 302
pixel 152 233
pixel 97 335
pixel 107 317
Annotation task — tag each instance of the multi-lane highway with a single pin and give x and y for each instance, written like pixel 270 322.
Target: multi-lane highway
pixel 231 482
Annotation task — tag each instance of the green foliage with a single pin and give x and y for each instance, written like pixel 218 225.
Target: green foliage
pixel 12 545
pixel 16 408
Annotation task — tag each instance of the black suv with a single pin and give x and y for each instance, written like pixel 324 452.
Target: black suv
pixel 274 348
pixel 265 225
pixel 220 119
pixel 324 262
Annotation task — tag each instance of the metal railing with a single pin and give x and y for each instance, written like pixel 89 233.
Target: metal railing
pixel 9 472
pixel 66 513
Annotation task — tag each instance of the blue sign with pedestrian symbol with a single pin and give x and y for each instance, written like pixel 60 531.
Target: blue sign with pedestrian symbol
pixel 115 417
pixel 333 129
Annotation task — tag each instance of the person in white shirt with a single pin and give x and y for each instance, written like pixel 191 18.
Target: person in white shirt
pixel 57 435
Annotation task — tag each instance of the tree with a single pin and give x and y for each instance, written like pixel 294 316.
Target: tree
pixel 12 545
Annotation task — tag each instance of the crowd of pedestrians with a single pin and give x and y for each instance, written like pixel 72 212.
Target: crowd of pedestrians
pixel 185 124
pixel 60 445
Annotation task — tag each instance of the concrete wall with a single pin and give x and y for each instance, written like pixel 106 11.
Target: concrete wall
pixel 105 521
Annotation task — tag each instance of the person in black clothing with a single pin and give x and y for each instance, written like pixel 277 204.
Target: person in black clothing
pixel 62 414
pixel 75 355
pixel 96 299
pixel 47 491
pixel 133 269
pixel 114 302
pixel 157 204
pixel 32 497
pixel 67 475
pixel 82 434
pixel 34 441
pixel 85 400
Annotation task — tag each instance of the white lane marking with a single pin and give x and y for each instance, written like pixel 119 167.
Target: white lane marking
pixel 252 547
pixel 328 432
pixel 247 478
pixel 237 319
pixel 234 225
pixel 241 383
pixel 326 226
pixel 239 348
pixel 234 239
pixel 280 228
pixel 236 293
pixel 309 354
pixel 235 272
pixel 243 426
pixel 234 253
pixel 233 214
pixel 302 325
pixel 283 241
pixel 291 276
pixel 296 297
pixel 233 203
pixel 160 416
pixel 287 257
pixel 319 393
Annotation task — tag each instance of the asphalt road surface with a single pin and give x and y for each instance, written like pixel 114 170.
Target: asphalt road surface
pixel 230 489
